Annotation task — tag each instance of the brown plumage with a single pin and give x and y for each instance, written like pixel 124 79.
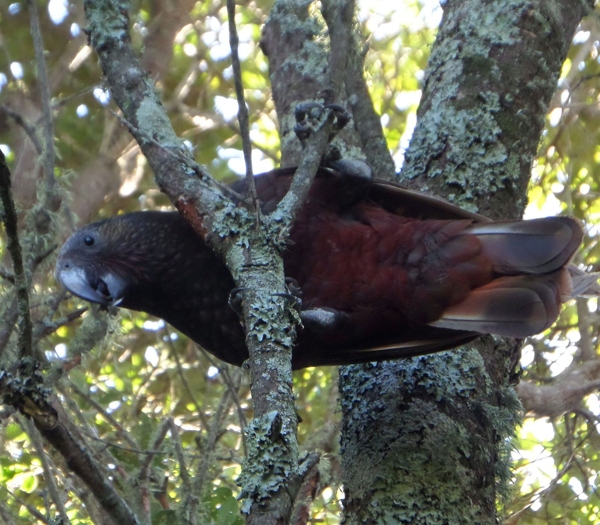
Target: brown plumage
pixel 384 272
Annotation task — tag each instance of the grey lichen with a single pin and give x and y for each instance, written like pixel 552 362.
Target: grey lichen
pixel 470 126
pixel 152 114
pixel 413 475
pixel 265 321
pixel 476 146
pixel 106 23
pixel 268 466
pixel 231 220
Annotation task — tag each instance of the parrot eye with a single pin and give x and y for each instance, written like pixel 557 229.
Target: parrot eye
pixel 88 240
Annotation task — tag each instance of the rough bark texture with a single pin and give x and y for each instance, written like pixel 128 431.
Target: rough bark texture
pixel 424 440
pixel 490 78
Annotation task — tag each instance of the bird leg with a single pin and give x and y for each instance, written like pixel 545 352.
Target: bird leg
pixel 309 114
pixel 320 320
pixel 294 288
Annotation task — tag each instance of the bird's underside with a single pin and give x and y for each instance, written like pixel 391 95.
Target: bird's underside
pixel 385 273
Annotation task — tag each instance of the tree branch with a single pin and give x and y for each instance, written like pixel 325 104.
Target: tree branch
pixel 48 126
pixel 9 218
pixel 242 108
pixel 35 437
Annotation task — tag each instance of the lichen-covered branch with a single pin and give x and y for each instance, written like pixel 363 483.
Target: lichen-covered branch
pixel 564 394
pixel 490 78
pixel 8 213
pixel 366 120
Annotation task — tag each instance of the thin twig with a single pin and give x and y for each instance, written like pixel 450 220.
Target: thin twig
pixel 184 381
pixel 7 322
pixel 234 391
pixel 7 276
pixel 6 516
pixel 58 104
pixel 27 126
pixel 85 429
pixel 110 444
pixel 52 426
pixel 43 329
pixel 370 130
pixel 143 476
pixel 214 434
pixel 194 166
pixel 89 399
pixel 39 258
pixel 36 440
pixel 183 470
pixel 339 17
pixel 242 108
pixel 9 218
pixel 30 508
pixel 316 145
pixel 48 125
pixel 160 437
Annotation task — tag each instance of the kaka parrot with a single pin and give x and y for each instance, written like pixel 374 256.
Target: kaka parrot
pixel 384 272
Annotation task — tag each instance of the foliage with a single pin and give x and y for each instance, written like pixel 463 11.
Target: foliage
pixel 125 385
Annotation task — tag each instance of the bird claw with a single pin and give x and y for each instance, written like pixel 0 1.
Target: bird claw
pixel 295 302
pixel 309 118
pixel 293 287
pixel 308 110
pixel 293 297
pixel 293 294
pixel 235 299
pixel 341 114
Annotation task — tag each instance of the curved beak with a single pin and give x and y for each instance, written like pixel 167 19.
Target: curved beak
pixel 108 289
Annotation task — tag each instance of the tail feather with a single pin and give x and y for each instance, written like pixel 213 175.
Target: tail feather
pixel 536 246
pixel 584 284
pixel 516 306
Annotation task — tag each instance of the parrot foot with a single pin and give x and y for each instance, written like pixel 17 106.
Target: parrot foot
pixel 293 287
pixel 235 299
pixel 354 177
pixel 293 294
pixel 308 117
pixel 236 296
